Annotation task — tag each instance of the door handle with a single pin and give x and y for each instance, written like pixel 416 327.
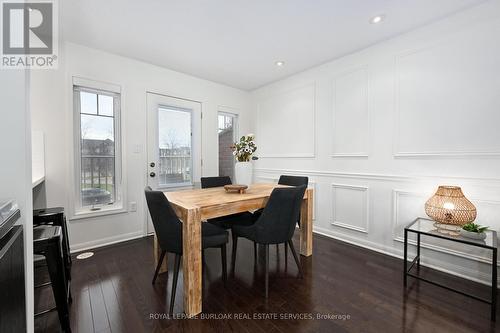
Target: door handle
pixel 152 174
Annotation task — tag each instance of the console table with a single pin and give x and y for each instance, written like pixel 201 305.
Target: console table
pixel 423 226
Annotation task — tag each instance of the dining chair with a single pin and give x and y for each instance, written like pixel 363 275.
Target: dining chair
pixel 290 181
pixel 227 222
pixel 275 225
pixel 168 229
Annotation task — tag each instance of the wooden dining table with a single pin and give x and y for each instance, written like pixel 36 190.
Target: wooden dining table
pixel 194 207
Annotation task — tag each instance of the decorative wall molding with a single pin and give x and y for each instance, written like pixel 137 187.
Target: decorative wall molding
pixel 438 153
pixel 363 122
pixel 380 177
pixel 311 133
pixel 363 207
pixel 266 179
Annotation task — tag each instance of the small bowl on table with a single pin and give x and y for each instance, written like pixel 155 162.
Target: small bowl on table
pixel 235 188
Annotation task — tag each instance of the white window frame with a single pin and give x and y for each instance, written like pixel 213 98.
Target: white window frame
pixel 191 124
pixel 236 122
pixel 117 206
pixel 229 112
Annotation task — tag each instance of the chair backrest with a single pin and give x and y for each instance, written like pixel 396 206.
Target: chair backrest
pixel 207 182
pixel 293 180
pixel 278 219
pixel 167 225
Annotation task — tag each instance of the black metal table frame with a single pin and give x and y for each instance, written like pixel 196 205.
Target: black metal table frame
pixel 416 260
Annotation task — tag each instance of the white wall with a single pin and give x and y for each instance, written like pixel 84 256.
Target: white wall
pixel 381 128
pixel 15 175
pixel 52 110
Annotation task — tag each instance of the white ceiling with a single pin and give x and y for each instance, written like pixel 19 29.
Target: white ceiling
pixel 237 42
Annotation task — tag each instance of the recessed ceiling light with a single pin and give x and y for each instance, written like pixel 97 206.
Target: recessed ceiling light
pixel 377 19
pixel 279 63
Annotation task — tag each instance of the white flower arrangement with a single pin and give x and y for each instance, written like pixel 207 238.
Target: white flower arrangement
pixel 245 148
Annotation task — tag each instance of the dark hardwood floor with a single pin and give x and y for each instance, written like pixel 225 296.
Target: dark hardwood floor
pixel 112 292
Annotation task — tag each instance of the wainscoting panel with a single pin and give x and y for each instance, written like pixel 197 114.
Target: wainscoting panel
pixel 351 118
pixel 408 205
pixel 281 117
pixel 350 207
pixel 371 210
pixel 437 89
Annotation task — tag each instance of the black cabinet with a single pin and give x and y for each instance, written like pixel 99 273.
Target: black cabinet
pixel 12 294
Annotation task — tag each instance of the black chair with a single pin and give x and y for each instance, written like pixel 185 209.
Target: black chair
pixel 290 181
pixel 168 229
pixel 293 180
pixel 55 216
pixel 207 182
pixel 47 242
pixel 275 225
pixel 227 222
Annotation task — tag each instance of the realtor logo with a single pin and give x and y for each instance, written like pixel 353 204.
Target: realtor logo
pixel 29 34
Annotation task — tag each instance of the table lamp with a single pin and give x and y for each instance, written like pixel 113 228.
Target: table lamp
pixel 450 209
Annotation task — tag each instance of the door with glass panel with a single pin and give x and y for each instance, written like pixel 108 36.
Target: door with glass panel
pixel 174 143
pixel 228 134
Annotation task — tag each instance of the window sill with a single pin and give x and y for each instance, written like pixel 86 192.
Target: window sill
pixel 86 214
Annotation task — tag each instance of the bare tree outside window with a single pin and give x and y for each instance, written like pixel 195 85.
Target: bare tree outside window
pixel 98 163
pixel 175 149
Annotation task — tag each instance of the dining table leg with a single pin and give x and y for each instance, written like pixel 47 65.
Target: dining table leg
pixel 191 261
pixel 306 232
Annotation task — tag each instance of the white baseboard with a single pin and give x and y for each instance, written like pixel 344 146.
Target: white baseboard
pixel 106 241
pixel 394 252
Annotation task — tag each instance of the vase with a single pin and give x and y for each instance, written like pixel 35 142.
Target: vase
pixel 243 173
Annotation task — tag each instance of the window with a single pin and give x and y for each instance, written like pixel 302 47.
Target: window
pixel 225 121
pixel 227 136
pixel 98 158
pixel 174 137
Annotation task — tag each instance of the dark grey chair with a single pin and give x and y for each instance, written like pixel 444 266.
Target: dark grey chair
pixel 290 181
pixel 275 225
pixel 168 229
pixel 229 221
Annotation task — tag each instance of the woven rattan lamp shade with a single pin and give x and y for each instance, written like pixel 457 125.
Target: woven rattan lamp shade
pixel 450 206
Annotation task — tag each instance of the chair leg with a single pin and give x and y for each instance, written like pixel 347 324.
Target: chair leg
pixel 233 257
pixel 267 270
pixel 290 243
pixel 224 263
pixel 286 255
pixel 174 281
pixel 160 261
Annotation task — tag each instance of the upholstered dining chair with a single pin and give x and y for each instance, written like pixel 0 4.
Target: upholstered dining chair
pixel 290 181
pixel 275 225
pixel 229 221
pixel 168 229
